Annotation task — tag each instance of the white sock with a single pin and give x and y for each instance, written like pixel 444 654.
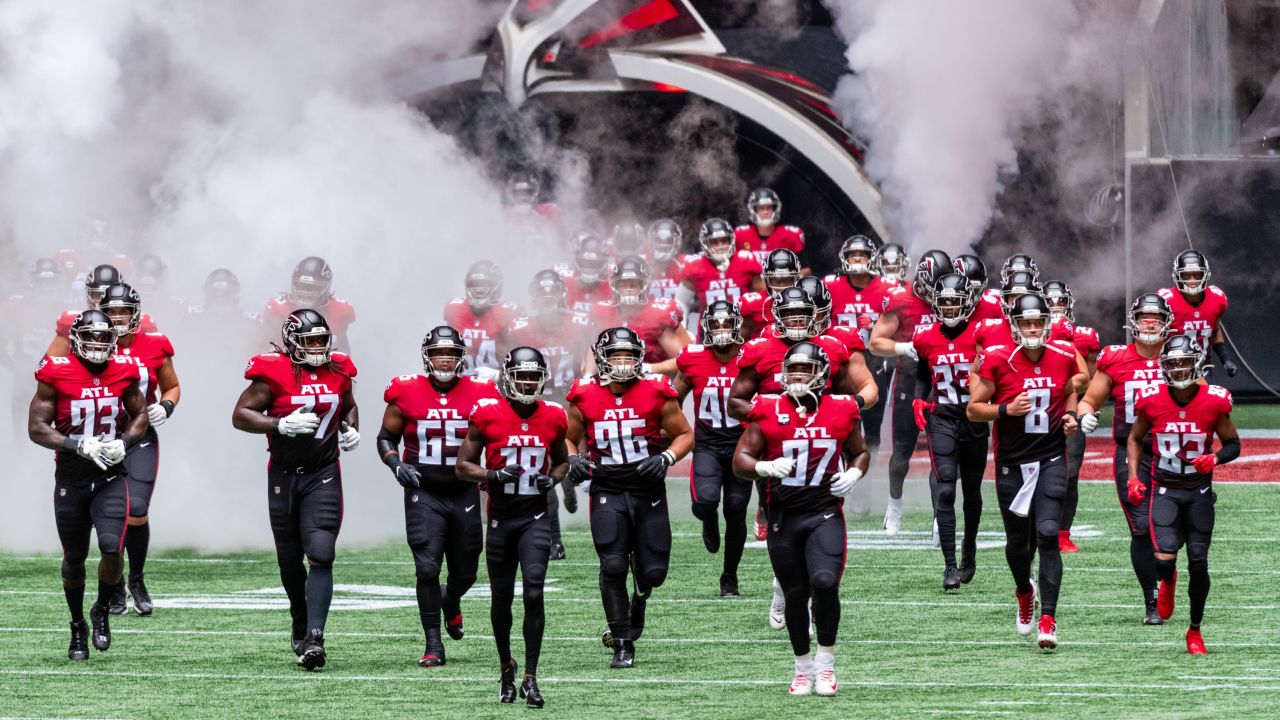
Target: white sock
pixel 825 657
pixel 778 597
pixel 895 503
pixel 804 664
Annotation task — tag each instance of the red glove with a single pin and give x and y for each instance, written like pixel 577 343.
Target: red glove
pixel 1137 492
pixel 918 408
pixel 1205 463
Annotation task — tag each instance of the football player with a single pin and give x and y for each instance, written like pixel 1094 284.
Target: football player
pixel 957 446
pixel 708 370
pixel 442 520
pixel 95 239
pixel 1019 262
pixel 658 322
pixel 89 409
pixel 482 316
pixel 587 284
pixel 720 272
pixel 96 284
pixel 1028 389
pixel 764 207
pixel 905 309
pixel 665 243
pixel 522 437
pixel 1197 306
pixel 805 443
pixel 150 277
pixel 1062 309
pixel 311 288
pixel 891 263
pixel 781 271
pixel 1122 372
pixel 628 238
pixel 617 421
pixel 300 397
pixel 220 318
pixel 1175 426
pixel 987 304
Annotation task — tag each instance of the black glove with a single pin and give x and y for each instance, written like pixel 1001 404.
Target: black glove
pixel 653 469
pixel 508 474
pixel 543 483
pixel 570 497
pixel 1230 367
pixel 407 475
pixel 580 469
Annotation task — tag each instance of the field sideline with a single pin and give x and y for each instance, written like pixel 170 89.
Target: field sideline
pixel 217 646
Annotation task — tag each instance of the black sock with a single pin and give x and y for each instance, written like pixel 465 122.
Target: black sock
pixel 826 615
pixel 735 538
pixel 294 579
pixel 1198 588
pixel 75 601
pixel 797 616
pixel 500 618
pixel 105 591
pixel 429 603
pixel 319 596
pixel 534 624
pixel 1143 558
pixel 944 510
pixel 617 605
pixel 1050 574
pixel 136 541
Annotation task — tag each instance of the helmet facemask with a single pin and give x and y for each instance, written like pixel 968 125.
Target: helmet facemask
pixel 802 378
pixel 126 317
pixel 483 292
pixel 1191 278
pixel 443 363
pixel 1059 306
pixel 952 307
pixel 523 383
pixel 619 363
pixel 856 262
pixel 764 213
pixel 722 330
pixel 590 267
pixel 719 249
pixel 891 267
pixel 1149 327
pixel 1031 329
pixel 1181 369
pixel 311 292
pixel 666 245
pixel 94 344
pixel 796 323
pixel 313 347
pixel 775 281
pixel 630 289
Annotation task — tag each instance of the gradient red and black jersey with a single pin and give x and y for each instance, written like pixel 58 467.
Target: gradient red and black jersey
pixel 621 430
pixel 565 346
pixel 436 423
pixel 649 321
pixel 339 313
pixel 666 280
pixel 482 331
pixel 1198 320
pixel 949 360
pixel 765 354
pixel 1130 373
pixel 711 380
pixel 812 440
pixel 912 312
pixel 510 439
pixel 149 351
pixel 88 404
pixel 789 237
pixel 710 283
pixel 1036 436
pixel 1181 433
pixel 316 390
pixel 581 298
pixel 68 318
pixel 998 331
pixel 857 308
pixel 757 309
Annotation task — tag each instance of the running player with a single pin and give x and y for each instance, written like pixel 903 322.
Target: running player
pixel 1197 306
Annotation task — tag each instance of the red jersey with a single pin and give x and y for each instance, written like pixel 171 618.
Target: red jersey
pixel 1130 373
pixel 565 346
pixel 510 439
pixel 949 358
pixel 764 355
pixel 149 351
pixel 1198 320
pixel 648 321
pixel 76 265
pixel 710 283
pixel 665 281
pixel 88 404
pixel 338 312
pixel 998 331
pixel 757 309
pixel 849 337
pixel 912 312
pixel 435 424
pixel 1181 433
pixel 812 441
pixel 66 319
pixel 317 390
pixel 747 237
pixel 1038 435
pixel 481 331
pixel 857 307
pixel 711 379
pixel 989 307
pixel 581 298
pixel 621 430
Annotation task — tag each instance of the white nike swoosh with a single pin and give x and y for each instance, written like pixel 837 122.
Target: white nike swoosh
pixel 1204 489
pixel 145 444
pixel 1052 459
pixel 539 516
pixel 468 508
pixel 828 516
pixel 654 503
pixel 325 481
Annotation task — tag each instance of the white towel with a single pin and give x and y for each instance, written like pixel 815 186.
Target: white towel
pixel 1021 505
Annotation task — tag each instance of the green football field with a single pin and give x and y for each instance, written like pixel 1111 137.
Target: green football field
pixel 217 645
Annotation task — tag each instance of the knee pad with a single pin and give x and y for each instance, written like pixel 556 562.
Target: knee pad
pixel 321 549
pixel 108 542
pixel 654 577
pixel 1047 530
pixel 532 593
pixel 704 511
pixel 503 590
pixel 73 572
pixel 736 504
pixel 613 565
pixel 947 494
pixel 1166 568
pixel 823 580
pixel 1198 555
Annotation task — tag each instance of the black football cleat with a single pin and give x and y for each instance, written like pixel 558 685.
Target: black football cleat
pixel 101 627
pixel 507 690
pixel 1152 616
pixel 529 691
pixel 119 602
pixel 728 585
pixel 638 605
pixel 313 655
pixel 711 535
pixel 557 551
pixel 433 653
pixel 78 650
pixel 951 579
pixel 141 598
pixel 968 564
pixel 298 634
pixel 624 654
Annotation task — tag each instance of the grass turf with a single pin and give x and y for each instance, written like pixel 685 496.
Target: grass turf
pixel 906 649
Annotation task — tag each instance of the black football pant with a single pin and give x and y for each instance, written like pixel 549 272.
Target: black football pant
pixel 873 417
pixel 905 432
pixel 712 476
pixel 306 514
pixel 958 453
pixel 443 526
pixel 633 533
pixel 100 504
pixel 807 551
pixel 141 464
pixel 1139 519
pixel 1184 516
pixel 1038 530
pixel 1075 458
pixel 524 542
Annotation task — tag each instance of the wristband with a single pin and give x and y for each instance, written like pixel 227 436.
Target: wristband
pixel 1003 410
pixel 168 407
pixel 70 445
pixel 859 400
pixel 669 457
pixel 1073 414
pixel 275 425
pixel 491 477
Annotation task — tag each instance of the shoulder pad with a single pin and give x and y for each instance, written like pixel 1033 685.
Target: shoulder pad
pixel 554 404
pixel 742 228
pixel 1217 291
pixel 746 255
pixel 486 402
pixel 457 301
pixel 920 329
pixel 693 348
pixel 840 396
pixel 993 322
pixel 510 305
pixel 1165 293
pixel 830 278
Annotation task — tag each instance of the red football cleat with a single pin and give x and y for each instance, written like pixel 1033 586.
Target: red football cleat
pixel 1195 643
pixel 1164 599
pixel 762 525
pixel 1048 635
pixel 1065 544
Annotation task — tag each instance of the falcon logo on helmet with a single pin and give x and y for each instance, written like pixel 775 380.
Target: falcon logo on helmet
pixel 93 337
pixel 1191 272
pixel 307 339
pixel 619 355
pixel 630 282
pixel 857 254
pixel 1149 319
pixel 953 299
pixel 123 305
pixel 760 199
pixel 972 267
pixel 794 314
pixel 665 239
pixel 721 325
pixel 523 376
pixel 444 354
pixel 1029 318
pixel 933 265
pixel 1182 361
pixel 822 303
pixel 717 240
pixel 891 263
pixel 781 270
pixel 483 285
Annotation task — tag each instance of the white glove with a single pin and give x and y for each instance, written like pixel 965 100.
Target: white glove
pixel 906 349
pixel 157 415
pixel 845 482
pixel 487 373
pixel 780 468
pixel 91 448
pixel 1089 422
pixel 348 439
pixel 112 452
pixel 298 423
pixel 646 369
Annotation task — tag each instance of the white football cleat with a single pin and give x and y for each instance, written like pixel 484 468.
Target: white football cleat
pixel 893 517
pixel 1048 636
pixel 1025 610
pixel 778 608
pixel 801 685
pixel 936 538
pixel 826 685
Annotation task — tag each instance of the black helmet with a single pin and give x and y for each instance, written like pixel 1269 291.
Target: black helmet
pixel 46 277
pixel 721 324
pixel 794 314
pixel 1016 285
pixel 971 267
pixel 446 339
pixel 1061 303
pixel 150 273
pixel 93 337
pixel 822 303
pixel 764 196
pixel 1029 307
pixel 714 231
pixel 628 238
pixel 630 282
pixel 953 299
pixel 102 277
pixel 483 284
pixel 122 295
pixel 781 270
pixel 300 332
pixel 312 282
pixel 891 262
pixel 222 289
pixel 523 376
pixel 1149 304
pixel 547 292
pixel 805 369
pixel 1019 263
pixel 933 265
pixel 1186 266
pixel 590 258
pixel 522 190
pixel 1181 361
pixel 861 245
pixel 612 341
pixel 665 239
